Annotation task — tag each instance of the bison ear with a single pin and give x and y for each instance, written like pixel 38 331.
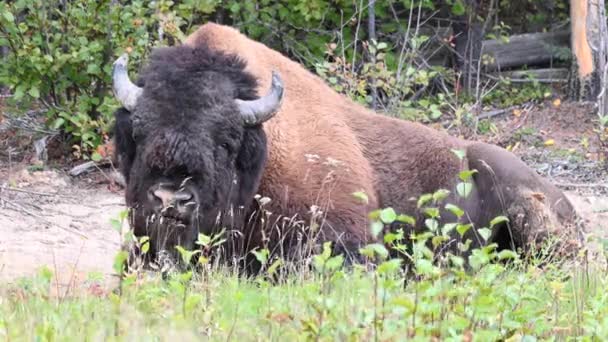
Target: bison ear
pixel 250 164
pixel 123 141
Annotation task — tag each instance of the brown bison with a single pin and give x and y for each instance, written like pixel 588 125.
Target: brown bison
pixel 198 147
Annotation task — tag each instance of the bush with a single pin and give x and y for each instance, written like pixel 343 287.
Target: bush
pixel 61 54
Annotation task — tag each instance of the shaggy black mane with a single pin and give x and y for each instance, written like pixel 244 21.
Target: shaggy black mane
pixel 184 68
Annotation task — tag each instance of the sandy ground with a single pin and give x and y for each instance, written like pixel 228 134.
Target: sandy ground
pixel 47 219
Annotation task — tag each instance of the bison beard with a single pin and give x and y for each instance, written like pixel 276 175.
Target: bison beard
pixel 195 114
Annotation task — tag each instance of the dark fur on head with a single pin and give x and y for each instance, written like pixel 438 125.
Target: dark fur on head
pixel 187 126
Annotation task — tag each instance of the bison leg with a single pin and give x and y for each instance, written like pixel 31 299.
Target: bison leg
pixel 536 209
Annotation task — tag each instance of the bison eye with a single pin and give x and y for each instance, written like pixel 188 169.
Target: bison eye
pixel 226 147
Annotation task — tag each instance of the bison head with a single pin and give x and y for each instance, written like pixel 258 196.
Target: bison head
pixel 190 142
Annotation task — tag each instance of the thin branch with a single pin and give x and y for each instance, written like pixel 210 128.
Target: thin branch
pixel 371 32
pixel 19 208
pixel 495 112
pixel 582 185
pixel 360 10
pixel 8 188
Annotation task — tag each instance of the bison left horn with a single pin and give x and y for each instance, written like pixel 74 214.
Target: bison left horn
pixel 125 91
pixel 255 112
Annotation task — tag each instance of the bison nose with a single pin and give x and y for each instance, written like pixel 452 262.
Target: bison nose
pixel 179 204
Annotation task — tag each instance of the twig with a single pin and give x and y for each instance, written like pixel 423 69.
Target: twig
pixel 582 185
pixel 360 10
pixel 34 192
pixel 20 208
pixel 527 80
pixel 495 112
pixel 72 281
pixel 371 32
pixel 85 167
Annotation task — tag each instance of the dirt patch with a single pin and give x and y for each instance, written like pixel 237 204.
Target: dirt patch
pixel 48 220
pixel 559 140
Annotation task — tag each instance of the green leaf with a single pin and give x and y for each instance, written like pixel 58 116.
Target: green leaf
pixel 261 256
pixel 34 92
pixel 507 254
pixel 426 267
pixel 458 8
pixel 485 233
pixel 389 266
pixel 96 157
pixel 119 261
pixel 440 195
pixel 498 220
pixel 59 122
pixel 464 189
pixel 388 215
pixel 374 249
pixel 463 228
pixel 145 247
pixel 431 224
pixel 144 239
pixel 406 219
pixel 203 240
pixel 275 265
pixel 116 224
pixel 463 247
pixel 466 174
pixel 447 228
pixel 361 196
pixel 376 228
pixel 391 237
pixel 235 7
pixel 404 302
pixel 334 263
pixel 19 92
pixel 454 210
pixel 186 254
pixel 459 153
pixel 437 240
pixel 424 199
pixel 93 69
pixel 9 16
pixel 431 212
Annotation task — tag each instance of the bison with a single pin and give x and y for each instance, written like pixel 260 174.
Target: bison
pixel 201 151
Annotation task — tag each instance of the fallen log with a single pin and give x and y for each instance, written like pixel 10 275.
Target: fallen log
pixel 532 49
pixel 547 75
pixel 524 49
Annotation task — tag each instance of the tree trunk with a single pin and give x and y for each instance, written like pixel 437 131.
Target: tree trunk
pixel 371 30
pixel 589 48
pixel 468 31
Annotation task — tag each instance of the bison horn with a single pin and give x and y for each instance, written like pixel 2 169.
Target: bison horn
pixel 255 112
pixel 125 91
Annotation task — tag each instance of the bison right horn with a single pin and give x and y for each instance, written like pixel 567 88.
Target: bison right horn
pixel 125 91
pixel 255 112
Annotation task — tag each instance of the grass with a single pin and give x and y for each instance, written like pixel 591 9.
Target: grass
pixel 494 301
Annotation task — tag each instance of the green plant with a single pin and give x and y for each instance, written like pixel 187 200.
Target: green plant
pixel 61 54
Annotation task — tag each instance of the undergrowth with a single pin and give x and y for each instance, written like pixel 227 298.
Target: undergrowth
pixel 411 288
pixel 498 301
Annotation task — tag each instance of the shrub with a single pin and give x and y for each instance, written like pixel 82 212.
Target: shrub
pixel 61 54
